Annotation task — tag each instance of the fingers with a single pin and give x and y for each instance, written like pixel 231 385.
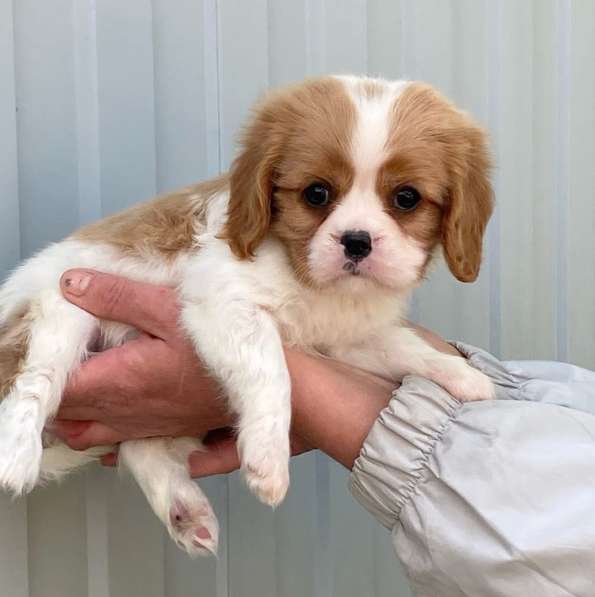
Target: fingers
pixel 88 383
pixel 221 457
pixel 114 377
pixel 147 307
pixel 82 435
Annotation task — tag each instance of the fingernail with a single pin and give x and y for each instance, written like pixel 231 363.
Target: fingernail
pixel 76 283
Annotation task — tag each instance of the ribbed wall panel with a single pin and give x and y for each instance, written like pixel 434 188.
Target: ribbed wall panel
pixel 104 103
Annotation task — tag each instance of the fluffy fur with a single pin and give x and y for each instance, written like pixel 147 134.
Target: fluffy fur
pixel 257 266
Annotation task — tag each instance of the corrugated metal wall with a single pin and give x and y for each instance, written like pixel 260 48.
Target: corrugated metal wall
pixel 104 103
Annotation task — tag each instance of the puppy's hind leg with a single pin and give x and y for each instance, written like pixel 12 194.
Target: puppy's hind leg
pixel 57 334
pixel 58 460
pixel 160 467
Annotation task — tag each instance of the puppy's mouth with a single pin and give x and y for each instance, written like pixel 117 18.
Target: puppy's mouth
pixel 351 267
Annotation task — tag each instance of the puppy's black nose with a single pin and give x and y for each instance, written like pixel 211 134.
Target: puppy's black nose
pixel 357 243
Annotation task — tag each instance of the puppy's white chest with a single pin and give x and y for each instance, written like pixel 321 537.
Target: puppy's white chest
pixel 329 321
pixel 306 317
pixel 325 319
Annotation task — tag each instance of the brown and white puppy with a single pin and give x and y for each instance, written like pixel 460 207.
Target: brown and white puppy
pixel 342 191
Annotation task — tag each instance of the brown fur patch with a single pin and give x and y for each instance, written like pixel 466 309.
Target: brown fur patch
pixel 298 136
pixel 165 226
pixel 14 347
pixel 440 151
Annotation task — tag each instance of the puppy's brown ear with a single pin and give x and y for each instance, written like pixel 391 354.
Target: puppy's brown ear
pixel 251 184
pixel 470 201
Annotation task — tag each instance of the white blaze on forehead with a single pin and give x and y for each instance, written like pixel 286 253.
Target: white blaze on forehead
pixel 361 207
pixel 374 115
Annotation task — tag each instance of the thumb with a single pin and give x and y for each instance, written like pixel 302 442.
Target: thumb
pixel 82 435
pixel 152 309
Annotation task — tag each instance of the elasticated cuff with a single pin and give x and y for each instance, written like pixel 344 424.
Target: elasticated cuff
pixel 395 453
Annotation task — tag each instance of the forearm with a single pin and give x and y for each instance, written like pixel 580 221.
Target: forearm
pixel 334 406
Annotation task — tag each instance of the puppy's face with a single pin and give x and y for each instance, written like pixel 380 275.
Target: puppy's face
pixel 362 179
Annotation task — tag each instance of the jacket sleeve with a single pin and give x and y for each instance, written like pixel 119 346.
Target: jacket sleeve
pixel 488 498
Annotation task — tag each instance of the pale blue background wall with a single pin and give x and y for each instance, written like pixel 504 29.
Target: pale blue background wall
pixel 107 102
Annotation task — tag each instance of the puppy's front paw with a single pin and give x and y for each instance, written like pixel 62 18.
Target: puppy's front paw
pixel 265 463
pixel 20 444
pixel 463 381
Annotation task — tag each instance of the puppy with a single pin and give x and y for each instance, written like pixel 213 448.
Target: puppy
pixel 342 191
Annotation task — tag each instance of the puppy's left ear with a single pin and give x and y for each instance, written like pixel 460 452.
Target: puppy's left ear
pixel 470 202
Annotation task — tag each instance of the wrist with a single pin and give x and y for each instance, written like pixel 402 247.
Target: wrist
pixel 334 406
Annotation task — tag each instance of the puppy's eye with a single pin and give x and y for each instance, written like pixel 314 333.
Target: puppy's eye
pixel 317 194
pixel 406 198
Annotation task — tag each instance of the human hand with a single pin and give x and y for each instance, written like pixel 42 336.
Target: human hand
pixel 153 385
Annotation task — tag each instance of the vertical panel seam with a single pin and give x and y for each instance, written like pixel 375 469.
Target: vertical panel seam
pixel 408 64
pixel 364 15
pixel 17 128
pixel 212 89
pixel 156 127
pixel 87 111
pixel 220 123
pixel 560 194
pixel 494 12
pixel 315 11
pixel 96 518
pixel 156 167
pixel 15 133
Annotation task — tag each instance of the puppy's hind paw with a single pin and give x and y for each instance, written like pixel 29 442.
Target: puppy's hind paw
pixel 192 524
pixel 20 444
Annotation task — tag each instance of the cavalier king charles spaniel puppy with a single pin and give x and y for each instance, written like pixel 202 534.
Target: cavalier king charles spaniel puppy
pixel 340 195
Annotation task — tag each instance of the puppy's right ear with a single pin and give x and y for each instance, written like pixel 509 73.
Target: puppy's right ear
pixel 251 182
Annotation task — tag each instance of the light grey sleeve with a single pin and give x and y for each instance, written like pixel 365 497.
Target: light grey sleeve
pixel 488 499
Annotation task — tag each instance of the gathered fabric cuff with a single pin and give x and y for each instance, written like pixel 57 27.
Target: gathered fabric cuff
pixel 395 454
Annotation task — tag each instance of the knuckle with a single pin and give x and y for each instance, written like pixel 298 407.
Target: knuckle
pixel 132 361
pixel 115 294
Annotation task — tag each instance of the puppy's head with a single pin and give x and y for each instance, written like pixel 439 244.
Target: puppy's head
pixel 361 180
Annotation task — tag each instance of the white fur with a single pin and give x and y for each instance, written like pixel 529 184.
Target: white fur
pixel 238 315
pixel 60 334
pixel 160 466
